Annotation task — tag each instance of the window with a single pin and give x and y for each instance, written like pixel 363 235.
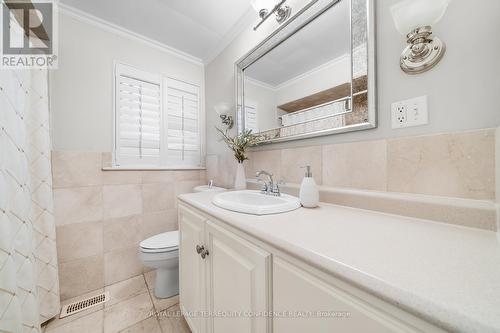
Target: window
pixel 157 120
pixel 183 123
pixel 251 120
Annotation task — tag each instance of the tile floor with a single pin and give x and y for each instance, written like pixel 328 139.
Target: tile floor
pixel 132 308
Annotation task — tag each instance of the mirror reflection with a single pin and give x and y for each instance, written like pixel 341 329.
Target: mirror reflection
pixel 307 83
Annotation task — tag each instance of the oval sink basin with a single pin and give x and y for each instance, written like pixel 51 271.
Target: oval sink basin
pixel 256 203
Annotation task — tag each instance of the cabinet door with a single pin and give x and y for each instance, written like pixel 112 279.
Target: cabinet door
pixel 238 277
pixel 298 296
pixel 191 268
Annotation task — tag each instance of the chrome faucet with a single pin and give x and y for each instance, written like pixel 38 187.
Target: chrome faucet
pixel 269 188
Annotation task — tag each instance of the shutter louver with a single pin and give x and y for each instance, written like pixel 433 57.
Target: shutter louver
pixel 138 118
pixel 183 132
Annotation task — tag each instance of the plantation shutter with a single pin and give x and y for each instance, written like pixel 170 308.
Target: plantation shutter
pixel 183 123
pixel 138 117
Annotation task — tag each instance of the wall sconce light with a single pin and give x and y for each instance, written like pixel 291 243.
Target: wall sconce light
pixel 414 18
pixel 223 109
pixel 266 8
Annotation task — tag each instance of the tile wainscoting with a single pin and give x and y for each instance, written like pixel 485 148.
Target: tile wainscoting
pixel 101 216
pixel 458 169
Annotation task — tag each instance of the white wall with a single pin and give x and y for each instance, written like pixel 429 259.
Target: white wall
pixel 462 89
pixel 264 99
pixel 82 87
pixel 328 75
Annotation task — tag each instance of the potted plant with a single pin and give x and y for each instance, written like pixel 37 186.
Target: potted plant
pixel 239 145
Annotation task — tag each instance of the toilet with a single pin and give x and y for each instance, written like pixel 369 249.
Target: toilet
pixel 161 252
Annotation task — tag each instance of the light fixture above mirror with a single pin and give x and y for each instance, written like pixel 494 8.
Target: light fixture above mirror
pixel 266 8
pixel 414 19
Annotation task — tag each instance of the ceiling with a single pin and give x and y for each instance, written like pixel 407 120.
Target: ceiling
pixel 200 28
pixel 323 40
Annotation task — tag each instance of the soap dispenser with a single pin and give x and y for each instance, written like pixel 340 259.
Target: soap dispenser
pixel 309 194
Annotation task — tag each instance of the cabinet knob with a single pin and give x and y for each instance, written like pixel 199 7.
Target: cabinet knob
pixel 204 253
pixel 199 249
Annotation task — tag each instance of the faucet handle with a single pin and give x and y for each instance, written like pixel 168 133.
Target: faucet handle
pixel 275 190
pixel 264 187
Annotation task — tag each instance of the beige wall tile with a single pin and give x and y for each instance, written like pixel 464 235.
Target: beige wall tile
pixel 120 265
pixel 107 159
pixel 79 240
pixel 157 197
pixel 127 313
pixel 294 158
pixel 122 200
pixel 79 204
pixel 186 186
pixel 268 160
pixel 71 169
pixel 203 176
pixel 159 176
pixel 81 276
pixel 186 175
pixel 358 165
pixel 115 177
pixel 121 233
pixel 155 223
pixel 456 165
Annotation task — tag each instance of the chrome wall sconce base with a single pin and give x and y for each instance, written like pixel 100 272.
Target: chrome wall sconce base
pixel 227 120
pixel 281 11
pixel 423 51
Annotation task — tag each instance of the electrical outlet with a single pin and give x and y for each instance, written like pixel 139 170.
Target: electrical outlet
pixel 410 112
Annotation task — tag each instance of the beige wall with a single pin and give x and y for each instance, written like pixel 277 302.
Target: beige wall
pixel 459 88
pixel 101 216
pixel 82 87
pixel 460 164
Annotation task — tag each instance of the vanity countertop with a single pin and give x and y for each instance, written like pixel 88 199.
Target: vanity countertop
pixel 448 275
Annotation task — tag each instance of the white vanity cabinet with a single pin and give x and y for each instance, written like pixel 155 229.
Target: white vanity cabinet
pixel 223 278
pixel 323 307
pixel 191 268
pixel 240 279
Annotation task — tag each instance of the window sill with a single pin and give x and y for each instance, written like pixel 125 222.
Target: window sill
pixel 129 168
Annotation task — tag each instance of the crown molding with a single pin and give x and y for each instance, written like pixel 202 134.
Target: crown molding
pixel 123 32
pixel 313 71
pixel 244 22
pixel 261 84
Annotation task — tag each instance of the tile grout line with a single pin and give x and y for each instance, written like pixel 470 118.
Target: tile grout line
pixel 152 303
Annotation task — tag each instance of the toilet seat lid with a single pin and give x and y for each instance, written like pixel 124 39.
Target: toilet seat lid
pixel 166 240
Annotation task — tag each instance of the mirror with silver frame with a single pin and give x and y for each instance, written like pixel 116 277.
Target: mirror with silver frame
pixel 314 76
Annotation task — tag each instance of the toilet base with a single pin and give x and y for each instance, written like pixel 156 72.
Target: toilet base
pixel 167 282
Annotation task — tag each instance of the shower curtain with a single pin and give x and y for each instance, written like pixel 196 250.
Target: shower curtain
pixel 29 286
